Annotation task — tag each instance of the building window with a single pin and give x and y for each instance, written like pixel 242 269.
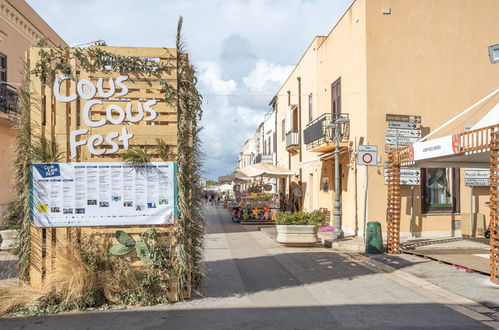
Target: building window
pixel 336 99
pixel 310 109
pixel 3 67
pixel 283 129
pixel 440 190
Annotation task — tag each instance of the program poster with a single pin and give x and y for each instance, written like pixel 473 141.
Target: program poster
pixel 103 194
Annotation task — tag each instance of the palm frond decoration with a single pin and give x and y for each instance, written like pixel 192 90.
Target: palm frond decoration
pixel 22 163
pixel 191 226
pixel 44 150
pixel 136 156
pixel 166 151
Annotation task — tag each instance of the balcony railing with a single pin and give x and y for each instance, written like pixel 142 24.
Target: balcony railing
pixel 8 98
pixel 268 159
pixel 292 140
pixel 318 133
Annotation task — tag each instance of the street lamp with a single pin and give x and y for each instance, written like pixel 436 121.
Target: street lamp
pixel 338 130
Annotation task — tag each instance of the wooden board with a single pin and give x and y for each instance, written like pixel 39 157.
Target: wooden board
pixel 55 121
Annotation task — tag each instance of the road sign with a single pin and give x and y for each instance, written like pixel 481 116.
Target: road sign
pixel 403 132
pixel 408 172
pixel 396 124
pixel 404 181
pixel 476 177
pixel 403 118
pixel 401 141
pixel 390 147
pixel 367 155
pixel 476 182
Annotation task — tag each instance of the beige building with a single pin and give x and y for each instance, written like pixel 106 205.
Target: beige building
pixel 20 27
pixel 426 58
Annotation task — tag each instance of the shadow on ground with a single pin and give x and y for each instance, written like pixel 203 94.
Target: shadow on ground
pixel 383 316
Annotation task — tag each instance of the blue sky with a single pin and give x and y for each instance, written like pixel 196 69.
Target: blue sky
pixel 243 49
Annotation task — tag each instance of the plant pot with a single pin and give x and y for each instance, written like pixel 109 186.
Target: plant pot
pixel 297 235
pixel 7 239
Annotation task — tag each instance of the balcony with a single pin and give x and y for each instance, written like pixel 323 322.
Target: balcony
pixel 268 159
pixel 292 145
pixel 318 134
pixel 8 99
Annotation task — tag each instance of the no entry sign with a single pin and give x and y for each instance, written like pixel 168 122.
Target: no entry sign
pixel 367 155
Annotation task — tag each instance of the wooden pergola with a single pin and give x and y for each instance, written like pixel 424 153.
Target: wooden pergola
pixel 475 148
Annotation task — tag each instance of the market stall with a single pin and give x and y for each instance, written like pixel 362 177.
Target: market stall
pixel 257 204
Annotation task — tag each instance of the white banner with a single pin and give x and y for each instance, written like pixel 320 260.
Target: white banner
pixel 103 194
pixel 433 148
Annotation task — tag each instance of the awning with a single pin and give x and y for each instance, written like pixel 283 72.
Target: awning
pixel 464 149
pixel 236 176
pixel 266 170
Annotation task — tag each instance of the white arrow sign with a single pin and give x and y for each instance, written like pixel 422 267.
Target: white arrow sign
pixel 405 181
pixel 407 172
pixel 403 132
pixel 396 124
pixel 401 141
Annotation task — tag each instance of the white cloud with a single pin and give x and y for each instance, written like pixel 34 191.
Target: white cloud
pixel 264 72
pixel 210 76
pixel 243 50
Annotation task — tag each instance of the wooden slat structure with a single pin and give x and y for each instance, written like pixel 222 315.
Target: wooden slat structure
pixel 494 205
pixel 55 120
pixel 478 141
pixel 393 203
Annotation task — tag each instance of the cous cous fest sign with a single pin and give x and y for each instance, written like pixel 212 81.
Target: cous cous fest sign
pixel 116 114
pixel 103 194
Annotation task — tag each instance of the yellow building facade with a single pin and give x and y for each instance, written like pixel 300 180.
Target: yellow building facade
pixel 422 58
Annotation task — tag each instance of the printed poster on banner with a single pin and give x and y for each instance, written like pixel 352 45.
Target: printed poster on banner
pixel 103 194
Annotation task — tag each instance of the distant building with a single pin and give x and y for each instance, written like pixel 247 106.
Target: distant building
pixel 20 27
pixel 424 58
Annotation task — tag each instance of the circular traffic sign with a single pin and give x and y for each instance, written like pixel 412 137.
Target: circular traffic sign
pixel 367 158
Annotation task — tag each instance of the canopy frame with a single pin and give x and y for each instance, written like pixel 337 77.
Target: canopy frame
pixel 479 142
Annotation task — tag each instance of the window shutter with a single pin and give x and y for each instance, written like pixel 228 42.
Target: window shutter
pixel 288 119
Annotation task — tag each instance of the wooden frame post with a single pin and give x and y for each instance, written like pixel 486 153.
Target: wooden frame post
pixel 494 206
pixel 393 203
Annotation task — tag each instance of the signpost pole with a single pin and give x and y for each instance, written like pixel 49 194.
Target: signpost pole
pixel 471 211
pixel 365 201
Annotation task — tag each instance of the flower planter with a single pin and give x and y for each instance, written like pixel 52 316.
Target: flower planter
pixel 7 239
pixel 297 235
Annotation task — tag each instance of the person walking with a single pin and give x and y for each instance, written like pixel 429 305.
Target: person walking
pixel 297 194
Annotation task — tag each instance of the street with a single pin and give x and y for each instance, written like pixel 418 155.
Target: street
pixel 254 283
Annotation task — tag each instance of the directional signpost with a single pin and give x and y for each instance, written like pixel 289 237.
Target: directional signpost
pixel 401 131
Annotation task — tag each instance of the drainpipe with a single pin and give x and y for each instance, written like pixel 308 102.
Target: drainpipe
pixel 299 136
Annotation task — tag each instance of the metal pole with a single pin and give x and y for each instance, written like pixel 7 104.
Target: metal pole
pixel 338 232
pixel 365 201
pixel 471 211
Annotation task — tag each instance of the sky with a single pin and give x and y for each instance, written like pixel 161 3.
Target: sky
pixel 243 50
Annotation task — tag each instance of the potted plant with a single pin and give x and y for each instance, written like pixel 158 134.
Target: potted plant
pixel 299 228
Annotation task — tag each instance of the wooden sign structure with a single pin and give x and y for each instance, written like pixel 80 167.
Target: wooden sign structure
pixel 56 121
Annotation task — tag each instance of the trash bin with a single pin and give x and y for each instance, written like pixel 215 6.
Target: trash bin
pixel 374 239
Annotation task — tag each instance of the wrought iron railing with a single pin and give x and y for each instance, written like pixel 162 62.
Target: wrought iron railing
pixel 261 158
pixel 8 98
pixel 319 130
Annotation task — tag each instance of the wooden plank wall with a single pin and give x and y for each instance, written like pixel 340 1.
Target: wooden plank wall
pixel 56 120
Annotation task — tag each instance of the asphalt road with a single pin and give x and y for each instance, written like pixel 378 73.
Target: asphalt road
pixel 254 283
